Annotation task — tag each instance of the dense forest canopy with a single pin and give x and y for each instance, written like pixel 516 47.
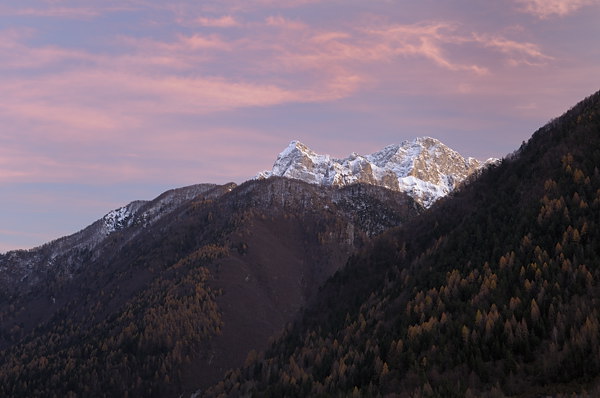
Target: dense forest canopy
pixel 493 292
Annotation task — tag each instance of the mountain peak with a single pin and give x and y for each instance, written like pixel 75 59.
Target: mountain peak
pixel 424 167
pixel 426 140
pixel 296 145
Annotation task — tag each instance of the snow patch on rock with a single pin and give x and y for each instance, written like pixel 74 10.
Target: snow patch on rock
pixel 424 168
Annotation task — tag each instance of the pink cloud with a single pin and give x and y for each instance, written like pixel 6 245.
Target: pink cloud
pixel 163 77
pixel 11 37
pixel 226 21
pixel 284 3
pixel 218 153
pixel 330 36
pixel 66 167
pixel 281 22
pixel 60 12
pixel 426 40
pixel 155 96
pixel 134 85
pixel 197 41
pixel 22 165
pixel 333 52
pixel 180 47
pixel 301 64
pixel 544 9
pixel 431 40
pixel 518 52
pixel 73 116
pixel 269 4
pixel 119 98
pixel 13 175
pixel 16 54
pixel 51 10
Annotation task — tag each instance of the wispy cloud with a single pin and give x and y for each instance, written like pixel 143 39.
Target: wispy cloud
pixel 108 92
pixel 216 152
pixel 198 74
pixel 285 23
pixel 544 9
pixel 426 40
pixel 121 98
pixel 226 21
pixel 52 10
pixel 432 40
pixel 198 41
pixel 188 91
pixel 517 52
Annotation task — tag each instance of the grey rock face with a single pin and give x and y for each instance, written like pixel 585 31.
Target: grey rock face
pixel 424 168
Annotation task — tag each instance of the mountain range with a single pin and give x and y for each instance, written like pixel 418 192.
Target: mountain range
pixel 493 292
pixel 224 267
pixel 265 246
pixel 409 272
pixel 424 168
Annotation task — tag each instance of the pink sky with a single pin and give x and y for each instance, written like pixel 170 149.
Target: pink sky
pixel 104 102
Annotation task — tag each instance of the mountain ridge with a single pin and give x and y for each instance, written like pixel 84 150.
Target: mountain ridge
pixel 170 297
pixel 72 250
pixel 491 293
pixel 424 168
pixel 248 256
pixel 412 167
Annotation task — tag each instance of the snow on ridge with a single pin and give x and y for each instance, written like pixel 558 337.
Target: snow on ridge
pixel 424 168
pixel 144 213
pixel 117 219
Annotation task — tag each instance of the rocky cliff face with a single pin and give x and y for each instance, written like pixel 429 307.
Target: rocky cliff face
pixel 424 168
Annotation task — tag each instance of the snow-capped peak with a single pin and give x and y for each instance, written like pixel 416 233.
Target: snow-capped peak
pixel 424 168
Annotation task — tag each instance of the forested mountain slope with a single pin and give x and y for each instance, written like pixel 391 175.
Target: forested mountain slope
pixel 23 271
pixel 156 309
pixel 495 291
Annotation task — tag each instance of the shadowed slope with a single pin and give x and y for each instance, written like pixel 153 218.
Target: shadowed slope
pixel 494 291
pixel 195 289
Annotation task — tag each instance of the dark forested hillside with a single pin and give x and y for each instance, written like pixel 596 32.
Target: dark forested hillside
pixel 493 292
pixel 156 309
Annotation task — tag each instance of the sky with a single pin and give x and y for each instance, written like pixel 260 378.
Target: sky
pixel 103 102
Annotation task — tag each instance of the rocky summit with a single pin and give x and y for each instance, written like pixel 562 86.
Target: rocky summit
pixel 424 168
